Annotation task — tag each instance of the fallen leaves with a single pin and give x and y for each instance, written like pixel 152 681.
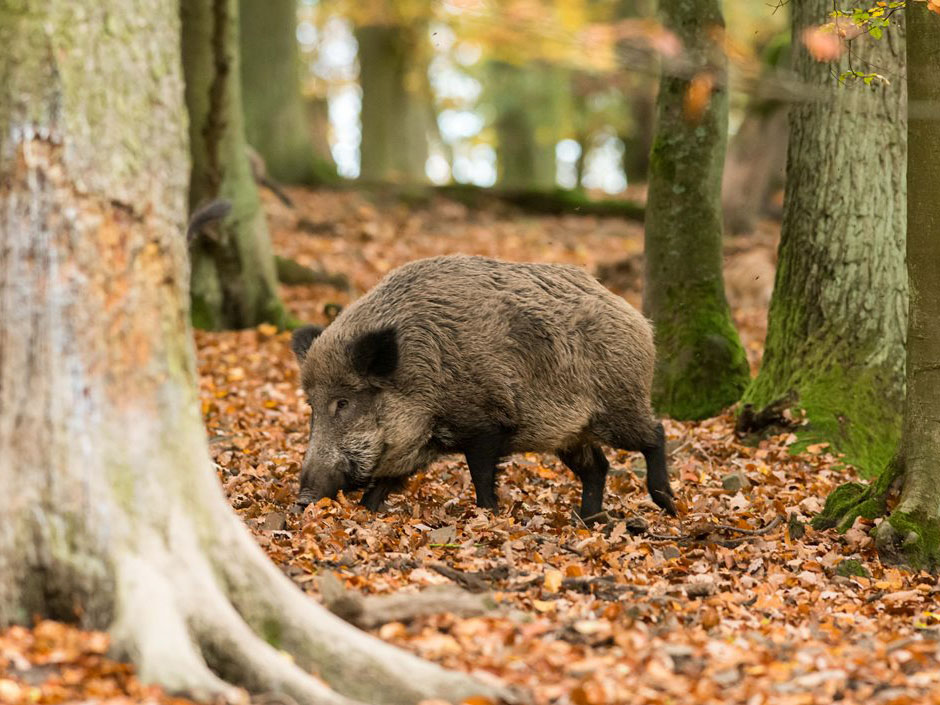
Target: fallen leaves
pixel 737 601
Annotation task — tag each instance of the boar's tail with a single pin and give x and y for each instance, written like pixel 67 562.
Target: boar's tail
pixel 205 214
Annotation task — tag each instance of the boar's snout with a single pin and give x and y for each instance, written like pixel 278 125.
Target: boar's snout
pixel 317 482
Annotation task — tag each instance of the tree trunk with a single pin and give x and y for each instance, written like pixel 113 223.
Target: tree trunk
pixel 913 529
pixel 112 515
pixel 757 156
pixel 395 98
pixel 755 165
pixel 528 112
pixel 701 367
pixel 639 90
pixel 839 308
pixel 276 123
pixel 233 278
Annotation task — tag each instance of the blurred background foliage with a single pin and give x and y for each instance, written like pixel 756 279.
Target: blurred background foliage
pixel 519 94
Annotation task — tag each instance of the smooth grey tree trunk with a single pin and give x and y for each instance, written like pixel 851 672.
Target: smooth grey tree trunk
pixel 701 367
pixel 234 282
pixel 838 314
pixel 277 123
pixel 112 514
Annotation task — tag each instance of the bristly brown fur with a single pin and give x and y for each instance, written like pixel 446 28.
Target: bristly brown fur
pixel 491 358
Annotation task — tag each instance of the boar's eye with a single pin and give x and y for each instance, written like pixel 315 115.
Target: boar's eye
pixel 341 404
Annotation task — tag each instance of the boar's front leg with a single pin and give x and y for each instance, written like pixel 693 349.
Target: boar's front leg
pixel 590 465
pixel 483 451
pixel 373 497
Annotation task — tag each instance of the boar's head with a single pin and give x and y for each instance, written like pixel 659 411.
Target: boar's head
pixel 346 385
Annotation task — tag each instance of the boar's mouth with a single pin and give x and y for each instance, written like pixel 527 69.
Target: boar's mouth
pixel 327 484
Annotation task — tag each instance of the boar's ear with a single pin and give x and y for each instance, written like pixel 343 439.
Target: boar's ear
pixel 375 354
pixel 301 340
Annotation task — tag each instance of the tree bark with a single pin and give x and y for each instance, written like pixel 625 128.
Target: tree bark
pixel 233 282
pixel 395 103
pixel 276 121
pixel 701 366
pixel 839 308
pixel 913 529
pixel 112 515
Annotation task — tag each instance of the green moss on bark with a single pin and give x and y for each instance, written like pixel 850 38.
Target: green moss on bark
pixel 234 282
pixel 701 367
pixel 845 406
pixel 914 539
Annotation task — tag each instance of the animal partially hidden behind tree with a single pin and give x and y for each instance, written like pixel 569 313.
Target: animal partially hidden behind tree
pixel 472 355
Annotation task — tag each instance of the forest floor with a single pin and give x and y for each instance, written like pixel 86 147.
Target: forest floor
pixel 736 601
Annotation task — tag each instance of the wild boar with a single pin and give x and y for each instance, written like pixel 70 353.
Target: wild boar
pixel 470 355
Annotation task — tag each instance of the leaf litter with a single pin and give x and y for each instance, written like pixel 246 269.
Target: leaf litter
pixel 738 600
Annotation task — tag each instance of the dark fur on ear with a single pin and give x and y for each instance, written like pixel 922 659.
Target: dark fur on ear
pixel 375 354
pixel 302 339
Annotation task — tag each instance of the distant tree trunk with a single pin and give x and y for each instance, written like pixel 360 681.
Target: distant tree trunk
pixel 234 284
pixel 529 102
pixel 701 366
pixel 839 309
pixel 317 112
pixel 757 156
pixel 276 123
pixel 395 96
pixel 755 165
pixel 640 96
pixel 112 514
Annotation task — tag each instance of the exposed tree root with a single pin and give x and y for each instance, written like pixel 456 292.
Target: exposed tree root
pixel 352 662
pixel 208 620
pixel 152 631
pixel 910 535
pixel 855 499
pixel 910 538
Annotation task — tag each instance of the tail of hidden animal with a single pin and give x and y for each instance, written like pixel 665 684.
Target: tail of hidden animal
pixel 205 214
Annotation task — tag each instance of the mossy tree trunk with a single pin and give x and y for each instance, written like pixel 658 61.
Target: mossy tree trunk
pixel 838 314
pixel 112 515
pixel 912 532
pixel 233 276
pixel 276 120
pixel 701 366
pixel 395 103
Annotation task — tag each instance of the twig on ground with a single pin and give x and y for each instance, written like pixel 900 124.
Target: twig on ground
pixel 703 531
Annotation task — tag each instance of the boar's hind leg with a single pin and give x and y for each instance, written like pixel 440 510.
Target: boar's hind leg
pixel 657 477
pixel 588 463
pixel 483 452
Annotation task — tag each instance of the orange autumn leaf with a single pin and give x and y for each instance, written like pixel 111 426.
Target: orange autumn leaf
pixel 697 96
pixel 822 43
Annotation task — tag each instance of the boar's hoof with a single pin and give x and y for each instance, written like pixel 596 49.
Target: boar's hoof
pixel 664 501
pixel 304 499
